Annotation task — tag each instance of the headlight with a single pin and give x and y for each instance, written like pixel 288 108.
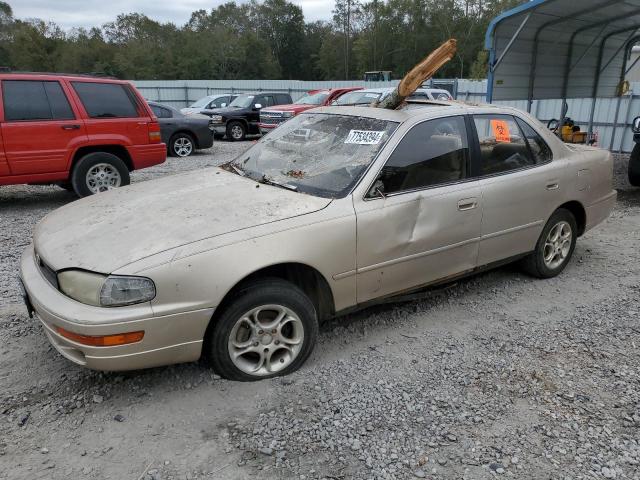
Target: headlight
pixel 120 290
pixel 287 114
pixel 105 291
pixel 81 286
pixel 216 118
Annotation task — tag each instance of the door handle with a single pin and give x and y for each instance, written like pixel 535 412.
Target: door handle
pixel 553 186
pixel 467 204
pixel 71 127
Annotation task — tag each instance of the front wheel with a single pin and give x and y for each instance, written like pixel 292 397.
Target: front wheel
pixel 268 329
pixel 98 172
pixel 181 145
pixel 554 247
pixel 634 166
pixel 236 131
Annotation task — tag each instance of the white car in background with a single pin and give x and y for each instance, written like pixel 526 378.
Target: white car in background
pixel 219 100
pixel 371 95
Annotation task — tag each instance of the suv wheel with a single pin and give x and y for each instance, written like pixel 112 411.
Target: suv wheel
pixel 236 131
pixel 181 145
pixel 98 172
pixel 555 246
pixel 634 166
pixel 268 329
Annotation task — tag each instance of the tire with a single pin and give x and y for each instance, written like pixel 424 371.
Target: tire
pixel 181 145
pixel 269 350
pixel 98 172
pixel 535 264
pixel 236 131
pixel 634 166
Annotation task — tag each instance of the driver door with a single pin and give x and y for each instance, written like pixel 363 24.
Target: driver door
pixel 421 220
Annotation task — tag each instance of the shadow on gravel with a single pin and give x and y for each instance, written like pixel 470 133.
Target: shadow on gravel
pixel 47 198
pixel 629 197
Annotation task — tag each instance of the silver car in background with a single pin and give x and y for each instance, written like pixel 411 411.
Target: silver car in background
pixel 336 209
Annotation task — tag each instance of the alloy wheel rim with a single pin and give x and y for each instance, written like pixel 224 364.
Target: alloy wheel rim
pixel 183 147
pixel 557 245
pixel 266 340
pixel 103 177
pixel 236 132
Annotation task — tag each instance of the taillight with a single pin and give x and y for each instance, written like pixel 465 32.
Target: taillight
pixel 154 132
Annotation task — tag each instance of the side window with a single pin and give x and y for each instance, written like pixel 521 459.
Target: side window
pixel 502 145
pixel 539 148
pixel 283 99
pixel 106 100
pixel 434 152
pixel 267 101
pixel 34 100
pixel 161 112
pixel 219 102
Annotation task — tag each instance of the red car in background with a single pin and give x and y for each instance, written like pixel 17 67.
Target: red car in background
pixel 83 133
pixel 271 117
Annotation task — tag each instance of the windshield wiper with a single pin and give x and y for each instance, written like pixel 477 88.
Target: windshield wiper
pixel 238 171
pixel 270 181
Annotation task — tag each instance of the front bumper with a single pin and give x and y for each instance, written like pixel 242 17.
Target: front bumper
pixel 167 340
pixel 218 128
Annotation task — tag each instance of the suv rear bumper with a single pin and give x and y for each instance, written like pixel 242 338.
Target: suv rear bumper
pixel 143 156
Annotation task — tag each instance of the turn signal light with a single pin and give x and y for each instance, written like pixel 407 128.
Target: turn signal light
pixel 102 340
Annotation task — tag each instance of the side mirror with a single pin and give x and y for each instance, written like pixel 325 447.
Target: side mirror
pixel 636 125
pixel 257 106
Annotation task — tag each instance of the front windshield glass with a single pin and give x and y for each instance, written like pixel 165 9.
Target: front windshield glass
pixel 317 98
pixel 242 101
pixel 357 98
pixel 319 154
pixel 201 103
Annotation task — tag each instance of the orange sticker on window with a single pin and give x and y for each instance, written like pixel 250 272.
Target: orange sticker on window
pixel 501 131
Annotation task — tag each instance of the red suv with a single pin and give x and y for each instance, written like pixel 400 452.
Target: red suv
pixel 271 117
pixel 84 133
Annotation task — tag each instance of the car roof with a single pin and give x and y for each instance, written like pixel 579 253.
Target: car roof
pixel 51 75
pixel 261 93
pixel 414 108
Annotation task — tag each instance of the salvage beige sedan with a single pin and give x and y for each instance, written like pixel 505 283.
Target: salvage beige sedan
pixel 336 209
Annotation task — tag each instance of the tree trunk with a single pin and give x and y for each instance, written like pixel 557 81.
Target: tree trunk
pixel 419 74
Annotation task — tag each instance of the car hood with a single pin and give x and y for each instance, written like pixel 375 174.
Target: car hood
pixel 223 111
pixel 108 231
pixel 290 108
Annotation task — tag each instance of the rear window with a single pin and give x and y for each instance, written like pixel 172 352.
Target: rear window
pixel 106 100
pixel 35 100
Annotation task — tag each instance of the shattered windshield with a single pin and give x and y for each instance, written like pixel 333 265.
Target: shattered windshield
pixel 319 154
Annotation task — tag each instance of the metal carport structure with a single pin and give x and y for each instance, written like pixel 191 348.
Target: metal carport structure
pixel 560 49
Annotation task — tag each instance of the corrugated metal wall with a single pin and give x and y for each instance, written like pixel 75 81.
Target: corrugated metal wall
pixel 180 93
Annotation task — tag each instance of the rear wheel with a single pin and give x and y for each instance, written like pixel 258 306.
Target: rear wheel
pixel 236 131
pixel 181 145
pixel 554 247
pixel 98 172
pixel 634 166
pixel 268 329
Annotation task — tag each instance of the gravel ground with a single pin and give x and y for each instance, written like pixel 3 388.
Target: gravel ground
pixel 498 375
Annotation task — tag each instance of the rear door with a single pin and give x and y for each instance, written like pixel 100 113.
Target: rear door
pixel 113 113
pixel 40 129
pixel 520 184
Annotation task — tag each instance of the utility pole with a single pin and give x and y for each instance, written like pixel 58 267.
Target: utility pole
pixel 346 41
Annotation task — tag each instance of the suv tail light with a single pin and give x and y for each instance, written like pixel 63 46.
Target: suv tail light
pixel 154 132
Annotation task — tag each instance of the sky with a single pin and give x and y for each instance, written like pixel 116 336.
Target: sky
pixel 90 13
